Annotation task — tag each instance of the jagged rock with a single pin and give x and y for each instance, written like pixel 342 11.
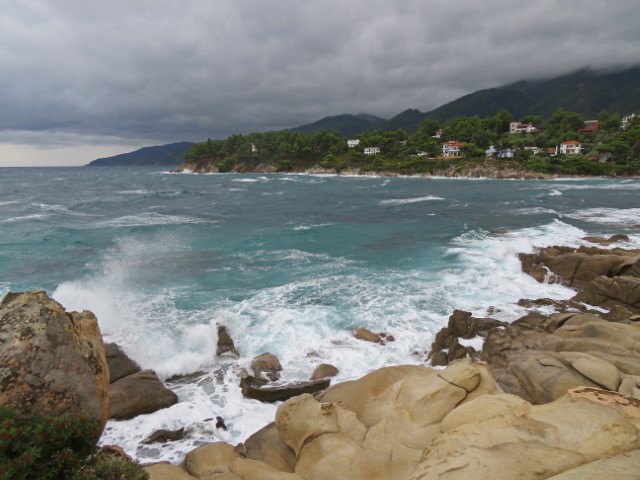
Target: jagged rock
pixel 461 325
pixel 608 292
pixel 164 436
pixel 540 358
pixel 324 370
pixel 266 365
pixel 225 343
pixel 259 389
pixel 267 446
pixel 608 241
pixel 120 365
pixel 51 360
pixel 140 393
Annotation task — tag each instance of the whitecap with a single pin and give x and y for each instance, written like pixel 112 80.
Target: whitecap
pixel 405 201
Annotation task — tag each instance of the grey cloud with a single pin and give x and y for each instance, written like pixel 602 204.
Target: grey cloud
pixel 188 70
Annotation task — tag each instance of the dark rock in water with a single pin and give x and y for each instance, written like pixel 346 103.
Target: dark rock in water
pixel 266 445
pixel 120 365
pixel 266 365
pixel 164 436
pixel 220 423
pixel 51 361
pixel 225 343
pixel 260 390
pixel 608 241
pixel 367 335
pixel 324 370
pixel 140 393
pixel 461 325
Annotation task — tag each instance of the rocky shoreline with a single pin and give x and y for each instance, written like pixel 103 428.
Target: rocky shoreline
pixel 488 170
pixel 550 395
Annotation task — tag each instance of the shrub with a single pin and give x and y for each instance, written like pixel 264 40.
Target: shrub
pixel 48 447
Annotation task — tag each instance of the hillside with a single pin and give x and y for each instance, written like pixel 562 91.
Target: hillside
pixel 346 124
pixel 171 154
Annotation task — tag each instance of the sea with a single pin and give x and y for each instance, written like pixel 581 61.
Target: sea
pixel 289 264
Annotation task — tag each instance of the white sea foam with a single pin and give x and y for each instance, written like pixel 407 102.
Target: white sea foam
pixel 23 218
pixel 310 227
pixel 8 202
pixel 625 217
pixel 148 219
pixel 405 201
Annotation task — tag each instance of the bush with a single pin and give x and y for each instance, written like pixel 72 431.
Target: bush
pixel 47 447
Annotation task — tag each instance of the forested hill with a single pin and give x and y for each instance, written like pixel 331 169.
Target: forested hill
pixel 171 154
pixel 585 92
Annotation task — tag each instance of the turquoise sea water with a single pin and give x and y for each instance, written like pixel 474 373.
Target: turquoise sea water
pixel 291 264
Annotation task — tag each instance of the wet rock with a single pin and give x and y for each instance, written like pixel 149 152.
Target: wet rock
pixel 164 436
pixel 608 292
pixel 51 360
pixel 120 365
pixel 225 343
pixel 324 370
pixel 259 389
pixel 266 365
pixel 367 335
pixel 140 393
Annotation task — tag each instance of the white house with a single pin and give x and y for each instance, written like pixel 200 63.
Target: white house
pixel 353 143
pixel 452 149
pixel 627 120
pixel 517 127
pixel 490 152
pixel 372 150
pixel 254 149
pixel 570 147
pixel 438 134
pixel 534 150
pixel 507 153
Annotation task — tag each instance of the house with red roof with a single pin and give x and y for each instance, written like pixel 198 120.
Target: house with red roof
pixel 570 147
pixel 452 149
pixel 590 126
pixel 517 127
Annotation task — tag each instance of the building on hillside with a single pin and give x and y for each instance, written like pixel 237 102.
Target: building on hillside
pixel 372 150
pixel 353 143
pixel 254 149
pixel 517 127
pixel 570 147
pixel 490 152
pixel 534 150
pixel 507 153
pixel 626 121
pixel 590 126
pixel 438 134
pixel 552 151
pixel 452 149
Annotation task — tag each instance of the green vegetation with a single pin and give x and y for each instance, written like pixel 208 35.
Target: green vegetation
pixel 608 151
pixel 51 447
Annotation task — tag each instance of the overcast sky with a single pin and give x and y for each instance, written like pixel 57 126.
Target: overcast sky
pixel 82 79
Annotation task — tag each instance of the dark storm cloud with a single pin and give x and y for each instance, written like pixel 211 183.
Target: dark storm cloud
pixel 187 70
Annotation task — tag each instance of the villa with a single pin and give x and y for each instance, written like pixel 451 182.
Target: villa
pixel 353 143
pixel 372 150
pixel 590 126
pixel 452 149
pixel 517 127
pixel 570 147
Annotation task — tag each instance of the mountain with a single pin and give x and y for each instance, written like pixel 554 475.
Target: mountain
pixel 171 154
pixel 586 92
pixel 346 124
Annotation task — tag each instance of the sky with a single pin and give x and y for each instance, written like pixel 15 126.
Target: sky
pixel 84 79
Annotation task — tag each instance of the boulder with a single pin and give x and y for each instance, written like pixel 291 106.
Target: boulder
pixel 210 460
pixel 166 471
pixel 608 292
pixel 267 366
pixel 259 389
pixel 225 343
pixel 51 360
pixel 120 365
pixel 324 370
pixel 140 393
pixel 367 335
pixel 164 436
pixel 267 446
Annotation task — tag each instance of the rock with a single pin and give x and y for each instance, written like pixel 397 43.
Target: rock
pixel 367 335
pixel 259 389
pixel 608 241
pixel 225 343
pixel 266 365
pixel 140 393
pixel 210 460
pixel 166 471
pixel 120 365
pixel 51 361
pixel 164 436
pixel 324 370
pixel 267 446
pixel 247 469
pixel 608 292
